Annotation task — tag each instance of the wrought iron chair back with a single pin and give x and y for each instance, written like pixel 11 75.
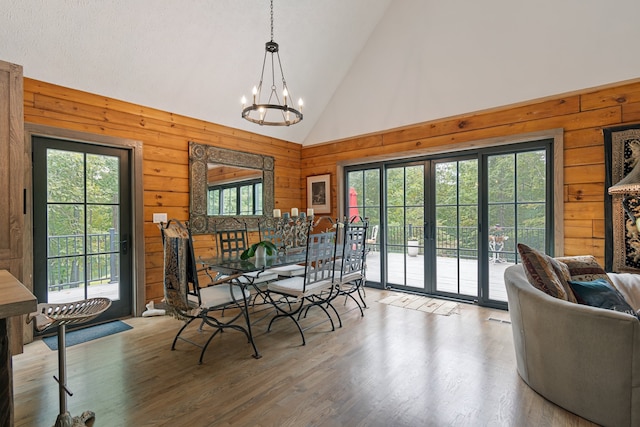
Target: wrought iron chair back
pixel 231 238
pixel 350 274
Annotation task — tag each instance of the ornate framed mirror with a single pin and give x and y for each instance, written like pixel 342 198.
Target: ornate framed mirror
pixel 212 169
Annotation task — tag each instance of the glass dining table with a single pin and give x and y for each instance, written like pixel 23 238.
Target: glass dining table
pixel 235 265
pixel 253 270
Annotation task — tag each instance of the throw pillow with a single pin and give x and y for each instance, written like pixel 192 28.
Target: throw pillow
pixel 545 273
pixel 599 293
pixel 585 268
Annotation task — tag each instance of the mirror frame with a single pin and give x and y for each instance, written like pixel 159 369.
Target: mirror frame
pixel 202 154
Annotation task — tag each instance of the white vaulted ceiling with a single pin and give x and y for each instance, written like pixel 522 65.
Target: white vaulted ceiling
pixel 360 65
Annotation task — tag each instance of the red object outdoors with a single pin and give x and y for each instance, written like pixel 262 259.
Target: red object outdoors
pixel 353 205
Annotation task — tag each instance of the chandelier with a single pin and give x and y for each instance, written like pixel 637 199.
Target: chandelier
pixel 271 110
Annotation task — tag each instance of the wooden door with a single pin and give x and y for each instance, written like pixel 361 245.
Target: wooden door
pixel 12 158
pixel 12 197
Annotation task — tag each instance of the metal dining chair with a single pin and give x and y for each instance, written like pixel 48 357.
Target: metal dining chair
pixel 349 277
pixel 187 300
pixel 293 295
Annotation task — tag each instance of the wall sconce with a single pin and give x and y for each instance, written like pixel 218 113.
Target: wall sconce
pixel 629 188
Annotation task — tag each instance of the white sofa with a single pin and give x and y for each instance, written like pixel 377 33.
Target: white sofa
pixel 584 359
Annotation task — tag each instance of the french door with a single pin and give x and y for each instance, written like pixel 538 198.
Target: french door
pixel 82 224
pixel 449 226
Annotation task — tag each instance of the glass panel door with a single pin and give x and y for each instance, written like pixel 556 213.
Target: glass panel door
pixel 82 224
pixel 517 209
pixel 363 199
pixel 404 234
pixel 456 227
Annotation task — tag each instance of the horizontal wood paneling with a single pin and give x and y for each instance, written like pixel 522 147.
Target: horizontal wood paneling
pixel 165 137
pixel 581 114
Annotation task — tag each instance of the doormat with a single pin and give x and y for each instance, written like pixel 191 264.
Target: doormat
pixel 422 303
pixel 87 334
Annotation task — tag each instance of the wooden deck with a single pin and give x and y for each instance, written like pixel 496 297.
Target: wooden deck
pixel 448 272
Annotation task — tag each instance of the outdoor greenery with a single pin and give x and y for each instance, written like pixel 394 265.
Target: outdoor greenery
pixel 82 214
pixel 516 197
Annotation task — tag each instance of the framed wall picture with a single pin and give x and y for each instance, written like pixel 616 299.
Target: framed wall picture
pixel 319 193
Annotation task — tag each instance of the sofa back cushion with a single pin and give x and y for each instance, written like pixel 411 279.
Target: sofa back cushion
pixel 585 268
pixel 545 273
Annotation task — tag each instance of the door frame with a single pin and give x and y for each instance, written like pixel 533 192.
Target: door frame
pixel 137 205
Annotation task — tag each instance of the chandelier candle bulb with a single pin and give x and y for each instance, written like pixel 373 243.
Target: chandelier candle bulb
pixel 255 92
pixel 294 211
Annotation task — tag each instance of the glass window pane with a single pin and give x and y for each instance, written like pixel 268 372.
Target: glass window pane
pixel 355 181
pixel 65 279
pixel 531 182
pixel 65 177
pixel 372 187
pixel 258 197
pixel 395 187
pixel 103 179
pixel 501 183
pixel 531 225
pixel 468 227
pixel 246 200
pixel 229 201
pixel 414 193
pixel 446 227
pixel 102 228
pixel 65 230
pixel 468 181
pixel 446 183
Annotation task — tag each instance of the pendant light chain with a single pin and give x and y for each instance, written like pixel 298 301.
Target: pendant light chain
pixel 271 20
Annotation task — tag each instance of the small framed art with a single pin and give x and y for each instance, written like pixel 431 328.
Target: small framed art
pixel 319 193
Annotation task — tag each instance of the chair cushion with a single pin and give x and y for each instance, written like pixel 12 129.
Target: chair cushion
pixel 294 286
pixel 288 270
pixel 599 293
pixel 219 295
pixel 546 273
pixel 348 277
pixel 256 277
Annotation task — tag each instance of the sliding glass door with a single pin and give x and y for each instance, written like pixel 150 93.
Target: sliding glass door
pixel 449 226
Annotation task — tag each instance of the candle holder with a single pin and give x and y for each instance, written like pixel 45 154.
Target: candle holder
pixel 289 232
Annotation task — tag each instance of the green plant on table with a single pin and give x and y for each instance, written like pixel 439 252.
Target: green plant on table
pixel 269 247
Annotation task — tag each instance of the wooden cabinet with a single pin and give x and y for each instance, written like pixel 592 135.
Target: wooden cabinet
pixel 12 190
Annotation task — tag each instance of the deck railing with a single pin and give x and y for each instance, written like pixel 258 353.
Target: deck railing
pixel 465 239
pixel 72 259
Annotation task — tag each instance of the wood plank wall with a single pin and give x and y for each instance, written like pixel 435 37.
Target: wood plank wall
pixel 165 138
pixel 582 115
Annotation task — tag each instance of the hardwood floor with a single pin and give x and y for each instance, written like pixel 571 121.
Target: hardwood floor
pixel 393 367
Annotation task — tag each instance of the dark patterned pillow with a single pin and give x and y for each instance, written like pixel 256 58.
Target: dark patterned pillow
pixel 599 293
pixel 585 268
pixel 545 273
